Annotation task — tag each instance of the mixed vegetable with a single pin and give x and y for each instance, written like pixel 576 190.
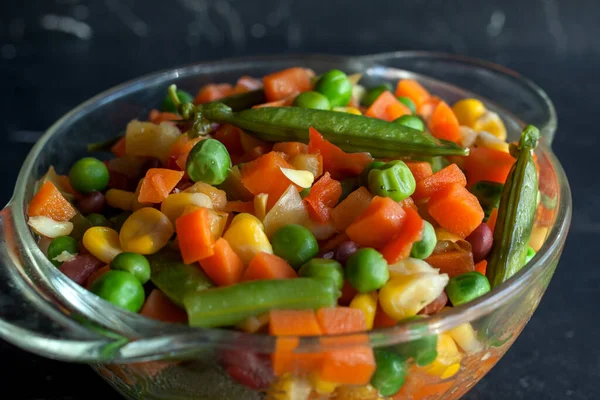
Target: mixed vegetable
pixel 301 205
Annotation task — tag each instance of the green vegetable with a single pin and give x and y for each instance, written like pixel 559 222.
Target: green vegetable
pixel 424 247
pixel 336 87
pixel 295 244
pixel 88 174
pixel 312 100
pixel 488 193
pixel 393 180
pixel 412 121
pixel 349 185
pixel 136 264
pixel 367 270
pixel 324 268
pixel 422 350
pixel 516 213
pixel 105 146
pixel 183 96
pixel 364 175
pixel 59 245
pixel 408 103
pixel 305 192
pixel 208 162
pixel 438 163
pixel 373 93
pixel 242 101
pixel 98 219
pixel 390 373
pixel 229 305
pixel 466 287
pixel 530 254
pixel 80 225
pixel 121 289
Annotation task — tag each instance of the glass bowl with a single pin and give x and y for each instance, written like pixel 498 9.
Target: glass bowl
pixel 44 312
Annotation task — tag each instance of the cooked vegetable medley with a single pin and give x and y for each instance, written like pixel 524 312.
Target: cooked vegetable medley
pixel 294 205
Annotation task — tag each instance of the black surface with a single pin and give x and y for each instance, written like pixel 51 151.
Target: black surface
pixel 55 54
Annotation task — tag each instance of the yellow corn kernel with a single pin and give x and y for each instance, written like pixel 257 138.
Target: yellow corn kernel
pixel 217 196
pixel 150 140
pixel 135 204
pixel 489 141
pixel 174 205
pixel 218 220
pixel 121 199
pixel 538 236
pixel 349 110
pixel 146 231
pixel 247 237
pixel 405 295
pixel 410 266
pixel 260 205
pixel 50 228
pixel 289 387
pixel 468 111
pixel 492 123
pixel 320 386
pixel 442 234
pixel 466 337
pixel 447 362
pixel 367 303
pixel 102 243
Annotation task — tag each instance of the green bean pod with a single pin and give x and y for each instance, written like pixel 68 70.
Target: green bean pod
pixel 242 101
pixel 229 305
pixel 516 213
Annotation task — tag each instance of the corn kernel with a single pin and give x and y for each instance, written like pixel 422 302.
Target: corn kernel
pixel 289 387
pixel 320 386
pixel 410 266
pixel 367 303
pixel 102 243
pixel 538 236
pixel 150 140
pixel 492 123
pixel 442 234
pixel 467 111
pixel 247 237
pixel 447 362
pixel 349 110
pixel 464 335
pixel 260 205
pixel 351 392
pixel 489 141
pixel 174 205
pixel 48 227
pixel 121 199
pixel 146 231
pixel 218 221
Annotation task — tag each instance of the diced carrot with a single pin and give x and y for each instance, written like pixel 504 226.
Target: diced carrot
pixel 156 117
pixel 158 306
pixel 239 207
pixel 324 194
pixel 348 293
pixel 49 202
pixel 157 184
pixel 443 124
pixel 213 92
pixel 224 267
pixel 264 175
pixel 456 209
pixel 335 161
pixel 183 145
pixel 282 84
pixel 246 84
pixel 483 164
pixel 382 320
pixel 426 109
pixel 294 323
pixel 453 262
pixel 334 320
pixel 95 275
pixel 291 148
pixel 332 243
pixel 378 224
pixel 491 221
pixel 250 142
pixel 118 149
pixel 194 235
pixel 285 360
pixel 413 90
pixel 408 203
pixel 230 136
pixel 387 107
pixel 353 364
pixel 400 246
pixel 419 169
pixel 350 208
pixel 268 266
pixel 254 153
pixel 481 267
pixel 428 186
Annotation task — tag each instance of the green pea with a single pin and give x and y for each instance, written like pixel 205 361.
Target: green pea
pixel 408 103
pixel 305 192
pixel 411 121
pixel 422 350
pixel 390 373
pixel 349 185
pixel 88 174
pixel 373 93
pixel 488 193
pixel 295 244
pixel 424 247
pixel 466 287
pixel 184 97
pixel 208 162
pixel 59 245
pixel 98 220
pixel 312 100
pixel 121 289
pixel 336 87
pixel 367 270
pixel 136 264
pixel 364 175
pixel 530 254
pixel 119 219
pixel 323 268
pixel 393 180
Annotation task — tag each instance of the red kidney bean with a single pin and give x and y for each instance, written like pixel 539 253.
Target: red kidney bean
pixel 91 203
pixel 81 267
pixel 435 306
pixel 247 368
pixel 481 240
pixel 345 250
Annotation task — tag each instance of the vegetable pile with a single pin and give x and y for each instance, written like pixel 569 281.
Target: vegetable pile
pixel 301 205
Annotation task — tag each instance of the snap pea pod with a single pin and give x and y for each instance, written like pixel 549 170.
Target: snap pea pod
pixel 516 212
pixel 242 101
pixel 229 305
pixel 174 278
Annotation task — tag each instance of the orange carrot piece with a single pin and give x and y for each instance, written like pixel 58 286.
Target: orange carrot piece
pixel 157 184
pixel 294 323
pixel 291 148
pixel 387 107
pixel 213 92
pixel 158 306
pixel 183 145
pixel 286 361
pixel 428 186
pixel 95 275
pixel 413 90
pixel 426 109
pixel 282 84
pixel 324 194
pixel 452 262
pixel 348 293
pixel 400 246
pixel 443 124
pixel 118 149
pixel 353 364
pixel 408 203
pixel 224 267
pixel 419 169
pixel 246 84
pixel 456 209
pixel 194 235
pixel 378 224
pixel 483 164
pixel 491 221
pixel 239 207
pixel 334 320
pixel 230 136
pixel 49 202
pixel 268 266
pixel 481 267
pixel 350 208
pixel 156 117
pixel 382 320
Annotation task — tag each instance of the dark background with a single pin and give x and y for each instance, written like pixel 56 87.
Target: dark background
pixel 55 54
